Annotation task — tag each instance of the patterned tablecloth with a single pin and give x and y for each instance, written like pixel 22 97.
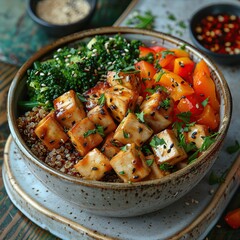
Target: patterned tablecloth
pixel 19 38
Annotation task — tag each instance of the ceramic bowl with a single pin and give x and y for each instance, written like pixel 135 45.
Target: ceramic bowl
pixel 59 30
pixel 214 9
pixel 120 199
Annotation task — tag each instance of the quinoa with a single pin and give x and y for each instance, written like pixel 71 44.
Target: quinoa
pixel 62 159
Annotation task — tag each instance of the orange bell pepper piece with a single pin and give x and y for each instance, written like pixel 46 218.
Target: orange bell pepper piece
pixel 175 84
pixel 233 218
pixel 208 117
pixel 180 52
pixel 147 72
pixel 204 87
pixel 202 67
pixel 183 67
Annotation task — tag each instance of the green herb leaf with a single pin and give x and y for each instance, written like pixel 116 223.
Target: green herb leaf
pixel 205 102
pixel 159 75
pixel 165 104
pixel 100 130
pixel 184 116
pixel 81 97
pixel 89 132
pixel 121 172
pixel 171 17
pixel 233 148
pixel 146 149
pixel 167 52
pixel 150 162
pixel 124 148
pixel 140 117
pixel 156 141
pixel 193 157
pixel 158 87
pixel 101 100
pixel 183 47
pixel 208 141
pixel 165 166
pixel 182 24
pixel 125 134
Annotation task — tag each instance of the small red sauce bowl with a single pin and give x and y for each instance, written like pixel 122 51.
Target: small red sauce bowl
pixel 205 36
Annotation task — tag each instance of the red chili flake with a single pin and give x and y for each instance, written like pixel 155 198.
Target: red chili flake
pixel 220 33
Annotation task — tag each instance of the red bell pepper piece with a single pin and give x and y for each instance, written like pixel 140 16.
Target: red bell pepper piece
pixel 233 218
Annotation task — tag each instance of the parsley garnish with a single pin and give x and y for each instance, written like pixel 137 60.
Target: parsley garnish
pixel 100 130
pixel 171 17
pixel 124 148
pixel 208 141
pixel 167 52
pixel 234 148
pixel 121 172
pixel 142 20
pixel 102 99
pixel 183 47
pixel 140 117
pixel 165 166
pixel 165 104
pixel 125 134
pixel 205 102
pixel 182 24
pixel 159 75
pixel 156 141
pixel 146 149
pixel 184 116
pixel 150 162
pixel 148 58
pixel 89 132
pixel 81 97
pixel 158 87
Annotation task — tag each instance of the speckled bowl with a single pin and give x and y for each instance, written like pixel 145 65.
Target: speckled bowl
pixel 120 199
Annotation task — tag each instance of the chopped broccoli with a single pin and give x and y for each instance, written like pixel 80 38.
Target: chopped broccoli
pixel 79 68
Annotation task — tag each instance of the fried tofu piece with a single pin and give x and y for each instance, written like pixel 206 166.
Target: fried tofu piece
pixel 126 79
pixel 196 134
pixel 156 172
pixel 69 109
pixel 94 165
pixel 93 94
pixel 157 111
pixel 111 146
pixel 100 116
pixel 84 136
pixel 119 100
pixel 167 149
pixel 129 164
pixel 50 132
pixel 131 130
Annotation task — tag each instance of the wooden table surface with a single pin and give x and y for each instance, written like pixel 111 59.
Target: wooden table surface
pixel 13 224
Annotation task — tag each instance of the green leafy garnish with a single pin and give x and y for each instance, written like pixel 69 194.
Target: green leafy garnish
pixel 165 166
pixel 146 149
pixel 150 162
pixel 101 100
pixel 167 52
pixel 140 117
pixel 165 104
pixel 156 141
pixel 208 141
pixel 159 75
pixel 183 47
pixel 182 24
pixel 234 148
pixel 124 148
pixel 184 116
pixel 141 20
pixel 155 89
pixel 121 172
pixel 171 17
pixel 100 130
pixel 205 102
pixel 89 132
pixel 125 134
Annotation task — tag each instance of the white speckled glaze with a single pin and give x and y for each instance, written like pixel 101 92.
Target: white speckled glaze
pixel 121 199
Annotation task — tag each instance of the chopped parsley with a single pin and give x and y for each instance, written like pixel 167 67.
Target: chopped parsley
pixel 184 116
pixel 156 141
pixel 89 132
pixel 149 162
pixel 159 75
pixel 205 102
pixel 126 134
pixel 166 52
pixel 165 166
pixel 101 100
pixel 140 117
pixel 165 104
pixel 124 148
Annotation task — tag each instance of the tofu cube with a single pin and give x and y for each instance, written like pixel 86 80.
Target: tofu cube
pixel 94 165
pixel 129 164
pixel 126 79
pixel 157 111
pixel 50 132
pixel 167 149
pixel 130 130
pixel 196 134
pixel 156 172
pixel 84 136
pixel 100 116
pixel 119 100
pixel 93 94
pixel 69 109
pixel 111 147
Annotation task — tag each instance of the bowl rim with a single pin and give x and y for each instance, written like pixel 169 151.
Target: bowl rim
pixel 32 13
pixel 40 54
pixel 197 16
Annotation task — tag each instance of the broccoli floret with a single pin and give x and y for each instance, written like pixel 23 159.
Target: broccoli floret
pixel 79 68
